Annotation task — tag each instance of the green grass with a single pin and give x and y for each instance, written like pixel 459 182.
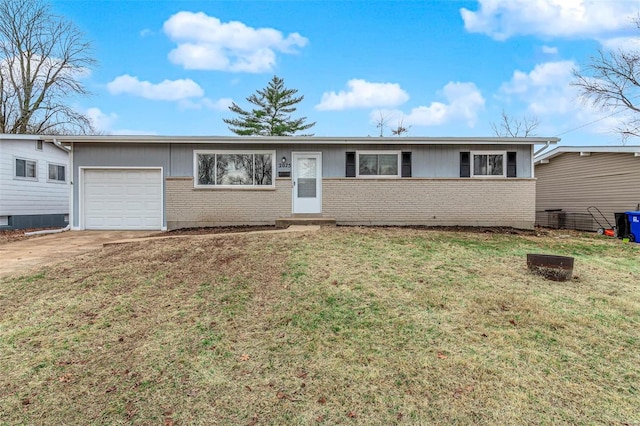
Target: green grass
pixel 347 325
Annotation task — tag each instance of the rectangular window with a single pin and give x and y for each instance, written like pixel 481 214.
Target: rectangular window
pixel 39 145
pixel 489 164
pixel 26 169
pixel 57 173
pixel 234 169
pixel 378 163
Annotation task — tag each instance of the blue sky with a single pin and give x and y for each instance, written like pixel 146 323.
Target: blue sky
pixel 445 68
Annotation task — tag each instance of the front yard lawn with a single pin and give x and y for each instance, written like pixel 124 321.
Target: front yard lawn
pixel 346 325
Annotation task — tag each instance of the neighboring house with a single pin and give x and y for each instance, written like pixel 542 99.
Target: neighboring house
pixel 34 189
pixel 160 182
pixel 573 178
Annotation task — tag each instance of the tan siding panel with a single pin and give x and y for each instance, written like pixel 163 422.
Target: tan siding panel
pixel 609 181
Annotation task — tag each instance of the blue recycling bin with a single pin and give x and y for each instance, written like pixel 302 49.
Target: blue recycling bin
pixel 634 226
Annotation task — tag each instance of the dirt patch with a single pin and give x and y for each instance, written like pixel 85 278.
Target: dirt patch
pixel 462 229
pixel 10 235
pixel 214 230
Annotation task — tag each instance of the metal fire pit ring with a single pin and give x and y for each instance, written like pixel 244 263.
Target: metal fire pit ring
pixel 556 268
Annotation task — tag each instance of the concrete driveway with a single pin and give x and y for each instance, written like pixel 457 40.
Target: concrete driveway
pixel 19 257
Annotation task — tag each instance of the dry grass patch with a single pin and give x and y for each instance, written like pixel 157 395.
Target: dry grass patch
pixel 348 325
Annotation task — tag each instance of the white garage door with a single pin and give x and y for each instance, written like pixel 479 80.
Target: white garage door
pixel 122 199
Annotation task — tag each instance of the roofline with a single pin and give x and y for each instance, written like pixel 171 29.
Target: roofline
pixel 263 140
pixel 545 157
pixel 21 137
pixel 12 136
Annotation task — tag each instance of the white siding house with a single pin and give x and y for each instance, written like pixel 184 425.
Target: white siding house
pixel 34 183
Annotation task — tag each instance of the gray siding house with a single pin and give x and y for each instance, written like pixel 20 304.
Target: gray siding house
pixel 163 182
pixel 34 184
pixel 572 178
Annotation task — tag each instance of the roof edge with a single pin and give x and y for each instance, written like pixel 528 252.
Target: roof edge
pixel 297 139
pixel 622 149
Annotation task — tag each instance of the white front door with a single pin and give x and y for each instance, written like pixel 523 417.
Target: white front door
pixel 307 182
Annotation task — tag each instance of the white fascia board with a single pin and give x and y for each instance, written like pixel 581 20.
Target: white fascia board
pixel 270 140
pixel 11 136
pixel 585 151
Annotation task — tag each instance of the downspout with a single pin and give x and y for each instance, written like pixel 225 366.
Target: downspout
pixel 68 227
pixel 546 145
pixel 542 149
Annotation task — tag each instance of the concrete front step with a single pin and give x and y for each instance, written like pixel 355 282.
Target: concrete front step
pixel 284 222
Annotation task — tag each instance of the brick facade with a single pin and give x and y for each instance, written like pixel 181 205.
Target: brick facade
pixel 436 202
pixel 412 201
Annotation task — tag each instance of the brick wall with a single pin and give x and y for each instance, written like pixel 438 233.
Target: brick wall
pixel 443 202
pixel 413 201
pixel 187 206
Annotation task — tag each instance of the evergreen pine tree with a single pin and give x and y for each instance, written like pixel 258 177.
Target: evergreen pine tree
pixel 272 115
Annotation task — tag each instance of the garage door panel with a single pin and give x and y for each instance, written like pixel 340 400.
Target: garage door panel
pixel 122 199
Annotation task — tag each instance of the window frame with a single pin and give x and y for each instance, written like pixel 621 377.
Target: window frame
pixel 398 155
pixel 472 164
pixel 39 145
pixel 25 177
pixel 64 166
pixel 198 152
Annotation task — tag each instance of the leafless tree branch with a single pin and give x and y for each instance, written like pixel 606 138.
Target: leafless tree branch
pixel 42 60
pixel 509 127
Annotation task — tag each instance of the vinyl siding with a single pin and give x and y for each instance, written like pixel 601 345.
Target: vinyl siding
pixel 32 197
pixel 428 161
pixel 609 181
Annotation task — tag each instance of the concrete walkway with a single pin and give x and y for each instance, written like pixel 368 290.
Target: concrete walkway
pixel 20 257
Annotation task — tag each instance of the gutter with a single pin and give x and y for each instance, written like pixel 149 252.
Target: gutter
pixel 59 145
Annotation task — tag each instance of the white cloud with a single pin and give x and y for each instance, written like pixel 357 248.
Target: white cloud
pixel 364 94
pixel 502 19
pixel 621 43
pixel 549 50
pixel 206 43
pixel 221 104
pixel 463 102
pixel 101 121
pixel 146 32
pixel 167 90
pixel 546 89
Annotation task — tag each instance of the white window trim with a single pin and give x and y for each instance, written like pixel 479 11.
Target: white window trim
pixel 240 187
pixel 15 176
pixel 39 145
pixel 396 176
pixel 57 180
pixel 504 164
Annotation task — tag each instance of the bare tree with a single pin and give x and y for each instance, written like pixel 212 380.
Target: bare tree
pixel 42 60
pixel 510 127
pixel 400 129
pixel 382 124
pixel 611 82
